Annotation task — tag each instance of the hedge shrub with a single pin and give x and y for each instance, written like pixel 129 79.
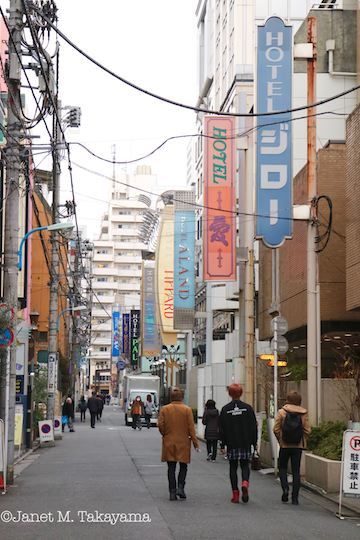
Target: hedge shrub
pixel 326 440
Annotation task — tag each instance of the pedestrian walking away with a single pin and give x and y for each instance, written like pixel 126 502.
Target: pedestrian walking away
pixel 176 425
pixel 68 412
pixel 292 430
pixel 149 409
pixel 210 420
pixel 99 411
pixel 82 407
pixel 137 411
pixel 238 431
pixel 93 406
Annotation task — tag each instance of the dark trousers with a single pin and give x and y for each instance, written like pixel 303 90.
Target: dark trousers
pixel 245 472
pixel 294 454
pixel 82 416
pixel 147 419
pixel 211 447
pixel 172 474
pixel 92 418
pixel 136 421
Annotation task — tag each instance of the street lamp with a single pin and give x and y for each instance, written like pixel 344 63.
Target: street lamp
pixel 73 309
pixel 52 227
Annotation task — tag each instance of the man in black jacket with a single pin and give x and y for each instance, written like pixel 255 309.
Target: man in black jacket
pixel 238 430
pixel 93 406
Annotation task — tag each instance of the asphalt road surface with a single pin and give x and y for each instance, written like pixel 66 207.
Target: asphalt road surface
pixel 114 473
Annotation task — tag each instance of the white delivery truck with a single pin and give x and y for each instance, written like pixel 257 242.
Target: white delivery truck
pixel 140 385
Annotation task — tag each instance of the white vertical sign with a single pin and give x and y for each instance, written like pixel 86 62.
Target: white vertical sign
pixel 52 373
pixel 351 464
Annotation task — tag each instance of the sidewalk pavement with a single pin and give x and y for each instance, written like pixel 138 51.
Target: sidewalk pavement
pixel 114 469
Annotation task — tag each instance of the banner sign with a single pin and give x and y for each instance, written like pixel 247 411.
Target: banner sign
pixel 126 334
pixel 115 349
pixel 134 336
pixel 19 418
pixel 273 150
pixel 219 199
pixel 184 260
pixel 150 334
pixel 165 274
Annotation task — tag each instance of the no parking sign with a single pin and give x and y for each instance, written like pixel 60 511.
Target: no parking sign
pixel 46 432
pixel 350 466
pixel 57 427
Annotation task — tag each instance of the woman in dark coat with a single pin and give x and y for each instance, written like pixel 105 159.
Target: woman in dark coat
pixel 82 407
pixel 211 421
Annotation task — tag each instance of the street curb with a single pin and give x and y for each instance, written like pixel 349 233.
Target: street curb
pixel 26 454
pixel 319 491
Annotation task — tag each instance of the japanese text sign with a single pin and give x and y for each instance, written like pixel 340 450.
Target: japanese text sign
pixel 351 464
pixel 273 151
pixel 219 199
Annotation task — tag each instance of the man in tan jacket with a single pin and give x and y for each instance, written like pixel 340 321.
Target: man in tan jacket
pixel 291 429
pixel 176 425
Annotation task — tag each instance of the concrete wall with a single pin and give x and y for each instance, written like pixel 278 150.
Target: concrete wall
pixel 331 24
pixel 331 181
pixel 336 397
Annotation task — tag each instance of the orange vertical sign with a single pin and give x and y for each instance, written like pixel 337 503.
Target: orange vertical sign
pixel 219 198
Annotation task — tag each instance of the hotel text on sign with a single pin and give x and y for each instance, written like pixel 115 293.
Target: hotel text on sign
pixel 219 199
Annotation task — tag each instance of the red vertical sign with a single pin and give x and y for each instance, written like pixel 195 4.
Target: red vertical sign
pixel 219 197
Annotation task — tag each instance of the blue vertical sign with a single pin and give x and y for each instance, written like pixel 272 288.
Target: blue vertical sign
pixel 115 349
pixel 184 259
pixel 273 153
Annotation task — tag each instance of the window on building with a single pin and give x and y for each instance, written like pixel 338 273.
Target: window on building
pixel 103 349
pixel 42 336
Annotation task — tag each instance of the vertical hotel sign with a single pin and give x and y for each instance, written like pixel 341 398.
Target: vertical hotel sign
pixel 115 348
pixel 134 336
pixel 273 154
pixel 219 199
pixel 149 333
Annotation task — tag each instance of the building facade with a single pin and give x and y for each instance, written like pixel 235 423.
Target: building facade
pixel 127 231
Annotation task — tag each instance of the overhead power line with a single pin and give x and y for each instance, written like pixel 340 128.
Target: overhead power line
pixel 177 103
pixel 192 135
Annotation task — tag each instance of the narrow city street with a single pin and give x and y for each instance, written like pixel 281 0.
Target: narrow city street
pixel 113 469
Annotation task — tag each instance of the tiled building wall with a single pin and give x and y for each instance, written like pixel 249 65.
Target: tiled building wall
pixel 353 211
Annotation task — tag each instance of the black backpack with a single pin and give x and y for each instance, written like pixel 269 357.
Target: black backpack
pixel 292 428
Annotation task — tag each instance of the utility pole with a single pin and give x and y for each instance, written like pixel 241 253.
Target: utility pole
pixel 246 240
pixel 313 315
pixel 15 135
pixel 77 302
pixel 54 283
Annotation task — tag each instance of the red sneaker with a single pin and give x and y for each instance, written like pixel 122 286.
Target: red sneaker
pixel 236 495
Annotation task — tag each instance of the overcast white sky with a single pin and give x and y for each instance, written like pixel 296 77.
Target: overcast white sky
pixel 152 43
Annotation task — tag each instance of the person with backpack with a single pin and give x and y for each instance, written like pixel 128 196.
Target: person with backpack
pixel 292 430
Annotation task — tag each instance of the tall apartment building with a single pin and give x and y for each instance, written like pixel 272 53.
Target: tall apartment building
pixel 117 259
pixel 227 64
